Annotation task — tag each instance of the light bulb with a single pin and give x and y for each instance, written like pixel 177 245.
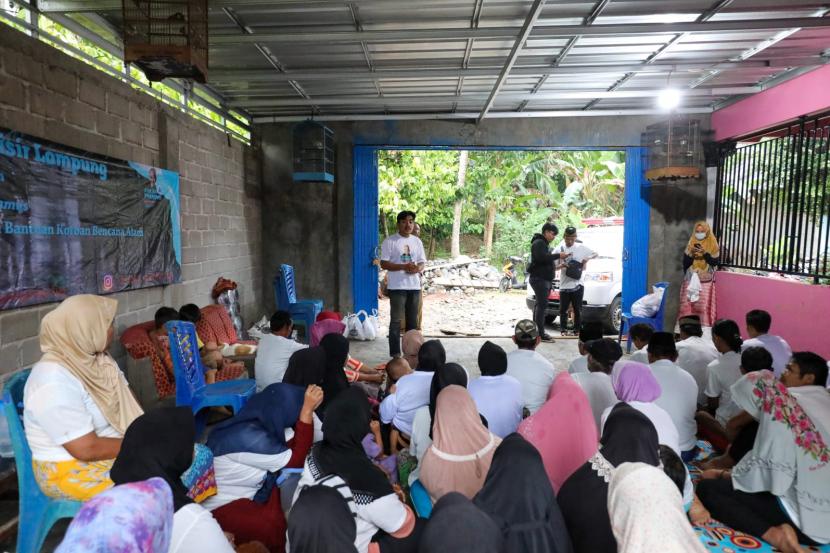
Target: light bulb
pixel 668 99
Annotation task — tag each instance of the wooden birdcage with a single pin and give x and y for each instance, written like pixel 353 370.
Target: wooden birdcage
pixel 674 149
pixel 167 38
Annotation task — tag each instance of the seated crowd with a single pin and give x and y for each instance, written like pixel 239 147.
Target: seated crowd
pixel 527 457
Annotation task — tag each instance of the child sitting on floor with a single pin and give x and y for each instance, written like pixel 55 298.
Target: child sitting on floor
pixel 161 341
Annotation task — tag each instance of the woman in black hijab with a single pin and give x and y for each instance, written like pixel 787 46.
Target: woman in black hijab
pixel 519 497
pixel 305 367
pixel 336 348
pixel 431 356
pixel 158 443
pixel 459 526
pixel 321 522
pixel 341 454
pixel 628 437
pixel 445 375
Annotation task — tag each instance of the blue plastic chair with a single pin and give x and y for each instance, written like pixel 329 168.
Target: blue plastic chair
pixel 38 512
pixel 191 389
pixel 303 311
pixel 420 499
pixel 656 322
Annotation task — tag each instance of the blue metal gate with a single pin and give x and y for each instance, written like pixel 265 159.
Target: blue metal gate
pixel 365 245
pixel 636 232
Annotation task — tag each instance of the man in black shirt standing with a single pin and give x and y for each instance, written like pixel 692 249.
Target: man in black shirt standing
pixel 540 271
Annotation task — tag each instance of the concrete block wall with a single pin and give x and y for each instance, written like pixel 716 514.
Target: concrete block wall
pixel 50 95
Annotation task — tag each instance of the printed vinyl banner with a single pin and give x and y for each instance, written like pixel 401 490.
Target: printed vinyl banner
pixel 73 222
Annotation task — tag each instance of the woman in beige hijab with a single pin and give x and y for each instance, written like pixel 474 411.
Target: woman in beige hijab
pixel 77 404
pixel 462 447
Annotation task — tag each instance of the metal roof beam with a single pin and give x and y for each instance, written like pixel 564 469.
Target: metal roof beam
pixel 218 76
pixel 527 28
pixel 676 39
pixel 589 20
pixel 473 115
pixel 412 35
pixel 427 99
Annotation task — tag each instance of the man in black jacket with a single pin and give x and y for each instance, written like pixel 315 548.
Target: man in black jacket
pixel 541 273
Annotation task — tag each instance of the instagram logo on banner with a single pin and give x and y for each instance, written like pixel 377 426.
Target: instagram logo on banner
pixel 108 283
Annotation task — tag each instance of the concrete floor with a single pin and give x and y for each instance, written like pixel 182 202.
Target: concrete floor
pixel 464 351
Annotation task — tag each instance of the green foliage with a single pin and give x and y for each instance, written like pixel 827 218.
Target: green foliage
pixel 526 188
pixel 419 180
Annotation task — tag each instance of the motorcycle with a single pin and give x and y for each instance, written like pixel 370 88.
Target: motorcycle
pixel 510 274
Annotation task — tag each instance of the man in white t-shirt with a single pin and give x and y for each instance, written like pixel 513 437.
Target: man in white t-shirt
pixel 587 333
pixel 529 367
pixel 571 289
pixel 640 334
pixel 758 323
pixel 596 383
pixel 695 353
pixel 402 256
pixel 274 351
pixel 679 391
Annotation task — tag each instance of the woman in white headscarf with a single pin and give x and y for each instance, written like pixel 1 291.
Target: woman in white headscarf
pixel 646 512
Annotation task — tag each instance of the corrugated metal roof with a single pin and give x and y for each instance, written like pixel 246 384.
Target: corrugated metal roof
pixel 443 57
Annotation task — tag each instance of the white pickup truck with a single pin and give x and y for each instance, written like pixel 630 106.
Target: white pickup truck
pixel 603 279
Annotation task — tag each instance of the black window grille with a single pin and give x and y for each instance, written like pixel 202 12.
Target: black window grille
pixel 772 204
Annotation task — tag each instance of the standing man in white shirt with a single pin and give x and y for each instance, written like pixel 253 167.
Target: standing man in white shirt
pixel 402 255
pixel 695 353
pixel 274 351
pixel 571 289
pixel 534 372
pixel 679 395
pixel 758 323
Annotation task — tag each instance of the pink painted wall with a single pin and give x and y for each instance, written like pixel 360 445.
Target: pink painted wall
pixel 799 311
pixel 806 94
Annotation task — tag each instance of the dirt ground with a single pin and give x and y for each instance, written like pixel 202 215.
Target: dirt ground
pixel 488 313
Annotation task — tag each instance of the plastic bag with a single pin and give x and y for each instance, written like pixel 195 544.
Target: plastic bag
pixel 648 305
pixel 693 291
pixel 370 331
pixel 262 327
pixel 354 327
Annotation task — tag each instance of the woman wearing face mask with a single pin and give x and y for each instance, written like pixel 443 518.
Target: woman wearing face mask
pixel 700 259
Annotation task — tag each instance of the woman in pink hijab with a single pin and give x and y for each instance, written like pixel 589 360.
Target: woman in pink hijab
pixel 462 447
pixel 563 430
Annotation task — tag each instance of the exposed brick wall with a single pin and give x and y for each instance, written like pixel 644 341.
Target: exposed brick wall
pixel 48 94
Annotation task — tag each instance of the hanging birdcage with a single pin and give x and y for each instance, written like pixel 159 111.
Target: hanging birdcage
pixel 313 146
pixel 167 38
pixel 674 149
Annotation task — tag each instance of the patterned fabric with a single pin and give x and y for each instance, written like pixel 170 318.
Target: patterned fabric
pixel 131 518
pixel 777 402
pixel 76 480
pixel 200 478
pixel 136 340
pixel 216 326
pixel 704 307
pixel 82 481
pixel 719 538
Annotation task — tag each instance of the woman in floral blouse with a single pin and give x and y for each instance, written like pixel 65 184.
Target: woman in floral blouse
pixel 780 491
